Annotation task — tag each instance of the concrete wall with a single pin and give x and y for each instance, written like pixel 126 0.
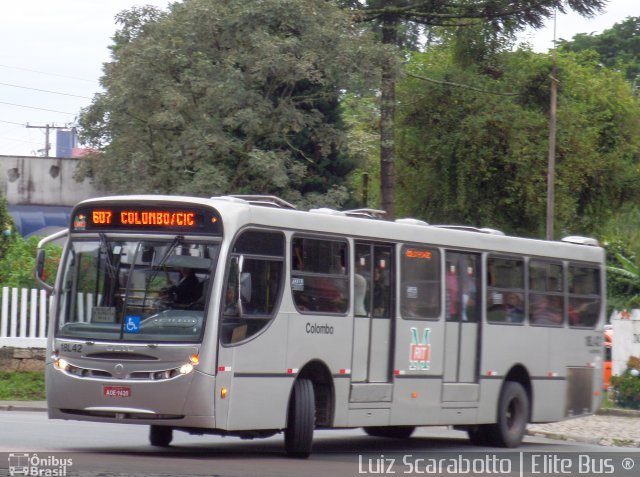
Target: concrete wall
pixel 43 181
pixel 22 359
pixel 626 339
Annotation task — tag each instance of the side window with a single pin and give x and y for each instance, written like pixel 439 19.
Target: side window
pixel 254 284
pixel 546 293
pixel 373 280
pixel 420 283
pixel 319 275
pixel 462 285
pixel 505 290
pixel 584 296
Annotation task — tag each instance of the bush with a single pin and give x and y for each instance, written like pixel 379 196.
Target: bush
pixel 17 264
pixel 626 388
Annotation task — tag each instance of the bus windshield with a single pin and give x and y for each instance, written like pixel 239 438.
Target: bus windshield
pixel 135 290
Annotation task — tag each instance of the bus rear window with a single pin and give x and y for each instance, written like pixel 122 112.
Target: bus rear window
pixel 584 296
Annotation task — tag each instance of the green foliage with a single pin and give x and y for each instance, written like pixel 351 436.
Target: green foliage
pixel 396 21
pixel 362 119
pixel 620 235
pixel 626 387
pixel 7 228
pixel 617 47
pixel 476 158
pixel 21 386
pixel 17 265
pixel 228 97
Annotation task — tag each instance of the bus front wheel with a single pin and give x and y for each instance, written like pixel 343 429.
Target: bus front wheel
pixel 160 436
pixel 301 420
pixel 513 414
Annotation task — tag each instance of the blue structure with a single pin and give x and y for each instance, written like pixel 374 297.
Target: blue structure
pixel 39 219
pixel 66 142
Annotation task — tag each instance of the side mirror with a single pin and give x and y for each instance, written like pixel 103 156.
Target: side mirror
pixel 41 260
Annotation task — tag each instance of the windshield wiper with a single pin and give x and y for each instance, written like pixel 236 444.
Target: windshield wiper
pixel 176 241
pixel 112 270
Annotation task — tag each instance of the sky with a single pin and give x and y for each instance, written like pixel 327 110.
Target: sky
pixel 52 56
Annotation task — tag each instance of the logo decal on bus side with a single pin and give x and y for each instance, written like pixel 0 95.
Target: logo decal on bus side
pixel 420 350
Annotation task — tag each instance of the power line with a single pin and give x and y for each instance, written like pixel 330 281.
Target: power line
pixel 4 138
pixel 11 122
pixel 45 73
pixel 40 109
pixel 45 90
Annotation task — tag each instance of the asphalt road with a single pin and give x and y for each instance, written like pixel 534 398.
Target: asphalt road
pixel 97 449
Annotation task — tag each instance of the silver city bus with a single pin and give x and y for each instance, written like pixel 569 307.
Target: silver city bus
pixel 243 316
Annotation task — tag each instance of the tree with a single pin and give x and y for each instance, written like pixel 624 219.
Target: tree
pixel 476 158
pixel 618 47
pixel 394 17
pixel 7 229
pixel 217 97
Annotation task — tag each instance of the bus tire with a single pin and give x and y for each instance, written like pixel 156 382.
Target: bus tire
pixel 160 436
pixel 393 432
pixel 478 435
pixel 513 414
pixel 301 420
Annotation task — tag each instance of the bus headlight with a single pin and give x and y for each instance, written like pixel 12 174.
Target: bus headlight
pixel 61 364
pixel 186 368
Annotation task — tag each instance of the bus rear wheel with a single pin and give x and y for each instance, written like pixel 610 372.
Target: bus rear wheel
pixel 479 435
pixel 513 414
pixel 160 436
pixel 301 420
pixel 393 432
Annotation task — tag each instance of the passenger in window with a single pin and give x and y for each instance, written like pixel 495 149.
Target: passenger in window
pixel 380 294
pixel 452 292
pixel 513 307
pixel 411 309
pixel 546 310
pixel 330 297
pixel 469 292
pixel 360 292
pixel 231 303
pixel 188 289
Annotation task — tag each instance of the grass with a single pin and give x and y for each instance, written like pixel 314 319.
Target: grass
pixel 23 386
pixel 606 402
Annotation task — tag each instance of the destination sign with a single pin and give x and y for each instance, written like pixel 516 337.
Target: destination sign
pixel 183 219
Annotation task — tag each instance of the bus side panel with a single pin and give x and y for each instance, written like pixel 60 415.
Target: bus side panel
pixel 327 341
pixel 416 401
pixel 549 397
pixel 582 349
pixel 503 347
pixel 257 381
pixel 489 395
pixel 418 383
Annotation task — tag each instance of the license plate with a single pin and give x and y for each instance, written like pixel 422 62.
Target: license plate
pixel 117 391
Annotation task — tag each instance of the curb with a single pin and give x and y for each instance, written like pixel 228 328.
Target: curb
pixel 564 437
pixel 618 412
pixel 600 441
pixel 26 406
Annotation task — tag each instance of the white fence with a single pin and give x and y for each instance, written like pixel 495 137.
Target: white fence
pixel 23 318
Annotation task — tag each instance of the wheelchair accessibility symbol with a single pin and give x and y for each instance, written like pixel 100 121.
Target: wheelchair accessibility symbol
pixel 132 324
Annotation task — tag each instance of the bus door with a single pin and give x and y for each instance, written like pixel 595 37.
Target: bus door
pixel 373 308
pixel 462 311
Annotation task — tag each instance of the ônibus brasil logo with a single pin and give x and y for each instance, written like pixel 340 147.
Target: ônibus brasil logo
pixel 34 465
pixel 420 350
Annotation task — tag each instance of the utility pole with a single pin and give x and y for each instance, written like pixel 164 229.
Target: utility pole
pixel 47 128
pixel 551 171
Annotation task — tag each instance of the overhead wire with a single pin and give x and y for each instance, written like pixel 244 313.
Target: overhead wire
pixel 44 90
